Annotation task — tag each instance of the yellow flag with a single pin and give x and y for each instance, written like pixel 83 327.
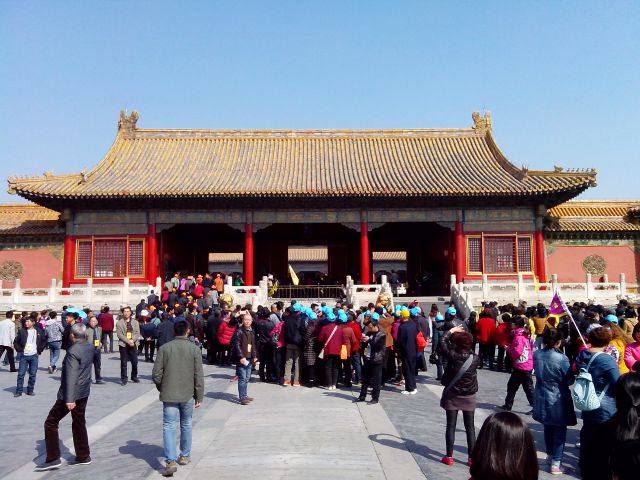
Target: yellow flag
pixel 294 277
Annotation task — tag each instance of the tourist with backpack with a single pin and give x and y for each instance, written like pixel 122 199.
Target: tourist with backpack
pixel 264 333
pixel 521 351
pixel 597 423
pixel 552 405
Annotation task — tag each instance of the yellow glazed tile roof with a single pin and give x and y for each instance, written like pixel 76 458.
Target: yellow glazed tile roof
pixel 149 163
pixel 29 220
pixel 594 216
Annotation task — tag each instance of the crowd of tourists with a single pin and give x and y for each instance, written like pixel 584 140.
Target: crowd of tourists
pixel 339 345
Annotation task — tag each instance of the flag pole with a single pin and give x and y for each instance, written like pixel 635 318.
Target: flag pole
pixel 568 312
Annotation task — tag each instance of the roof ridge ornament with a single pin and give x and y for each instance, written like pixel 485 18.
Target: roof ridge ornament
pixel 482 125
pixel 128 124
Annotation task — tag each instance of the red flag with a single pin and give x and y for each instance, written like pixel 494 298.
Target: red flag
pixel 557 306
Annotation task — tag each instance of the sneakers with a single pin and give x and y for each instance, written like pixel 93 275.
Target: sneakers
pixel 52 465
pixel 556 470
pixel 447 460
pixel 249 398
pixel 99 382
pixel 170 469
pixel 245 401
pixel 50 369
pixel 85 461
pixel 410 392
pixel 16 395
pixel 296 384
pixel 286 383
pixel 373 401
pixel 31 394
pixel 182 460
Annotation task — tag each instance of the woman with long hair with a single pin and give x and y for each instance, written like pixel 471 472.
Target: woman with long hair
pixel 625 457
pixel 461 385
pixel 619 340
pixel 504 450
pixel 552 405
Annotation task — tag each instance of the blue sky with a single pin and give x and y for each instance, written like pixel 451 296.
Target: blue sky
pixel 561 79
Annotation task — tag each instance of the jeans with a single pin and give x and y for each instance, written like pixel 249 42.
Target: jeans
pixel 128 354
pixel 97 363
pixel 54 352
pixel 554 439
pixel 517 378
pixel 169 417
pixel 244 375
pixel 294 356
pixel 27 362
pixel 78 429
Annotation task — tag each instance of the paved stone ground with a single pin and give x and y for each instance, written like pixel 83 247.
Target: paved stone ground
pixel 285 433
pixel 421 423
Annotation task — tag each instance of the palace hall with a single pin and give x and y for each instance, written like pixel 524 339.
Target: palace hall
pixel 436 201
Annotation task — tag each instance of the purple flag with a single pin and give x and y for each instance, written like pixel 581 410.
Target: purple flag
pixel 557 306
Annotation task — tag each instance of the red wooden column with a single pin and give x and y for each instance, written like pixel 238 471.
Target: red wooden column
pixel 460 252
pixel 365 267
pixel 152 254
pixel 541 270
pixel 69 261
pixel 248 254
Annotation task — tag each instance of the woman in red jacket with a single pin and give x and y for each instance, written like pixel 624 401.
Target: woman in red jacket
pixel 331 340
pixel 225 334
pixel 484 335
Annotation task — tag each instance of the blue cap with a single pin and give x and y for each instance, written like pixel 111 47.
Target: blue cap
pixel 326 310
pixel 375 316
pixel 415 311
pixel 331 316
pixel 342 316
pixel 451 310
pixel 612 319
pixel 439 317
pixel 312 315
pixel 296 307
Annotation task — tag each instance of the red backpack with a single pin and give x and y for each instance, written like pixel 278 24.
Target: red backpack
pixel 421 342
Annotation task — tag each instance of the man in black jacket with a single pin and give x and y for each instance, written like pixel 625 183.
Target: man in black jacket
pixel 29 344
pixel 294 330
pixel 75 386
pixel 374 350
pixel 70 319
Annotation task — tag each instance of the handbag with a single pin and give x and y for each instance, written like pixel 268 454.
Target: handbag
pixel 463 369
pixel 321 354
pixel 344 353
pixel 433 358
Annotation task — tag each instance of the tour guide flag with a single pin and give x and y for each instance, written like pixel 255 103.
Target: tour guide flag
pixel 294 277
pixel 557 306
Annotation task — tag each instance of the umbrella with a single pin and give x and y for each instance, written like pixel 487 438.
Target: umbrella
pixel 81 313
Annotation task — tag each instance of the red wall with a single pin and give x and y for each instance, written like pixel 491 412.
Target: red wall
pixel 39 266
pixel 566 261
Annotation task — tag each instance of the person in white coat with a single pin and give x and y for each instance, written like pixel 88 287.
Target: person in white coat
pixel 7 336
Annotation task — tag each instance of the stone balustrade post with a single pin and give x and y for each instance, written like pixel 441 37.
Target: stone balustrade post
pixel 52 290
pixel 88 293
pixel 623 284
pixel 485 286
pixel 520 287
pixel 605 278
pixel 16 291
pixel 124 298
pixel 589 287
pixel 158 286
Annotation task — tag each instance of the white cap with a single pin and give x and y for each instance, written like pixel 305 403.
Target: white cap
pixel 144 313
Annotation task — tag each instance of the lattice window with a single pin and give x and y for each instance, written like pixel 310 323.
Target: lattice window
pixel 524 254
pixel 474 254
pixel 136 258
pixel 83 259
pixel 110 258
pixel 500 254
